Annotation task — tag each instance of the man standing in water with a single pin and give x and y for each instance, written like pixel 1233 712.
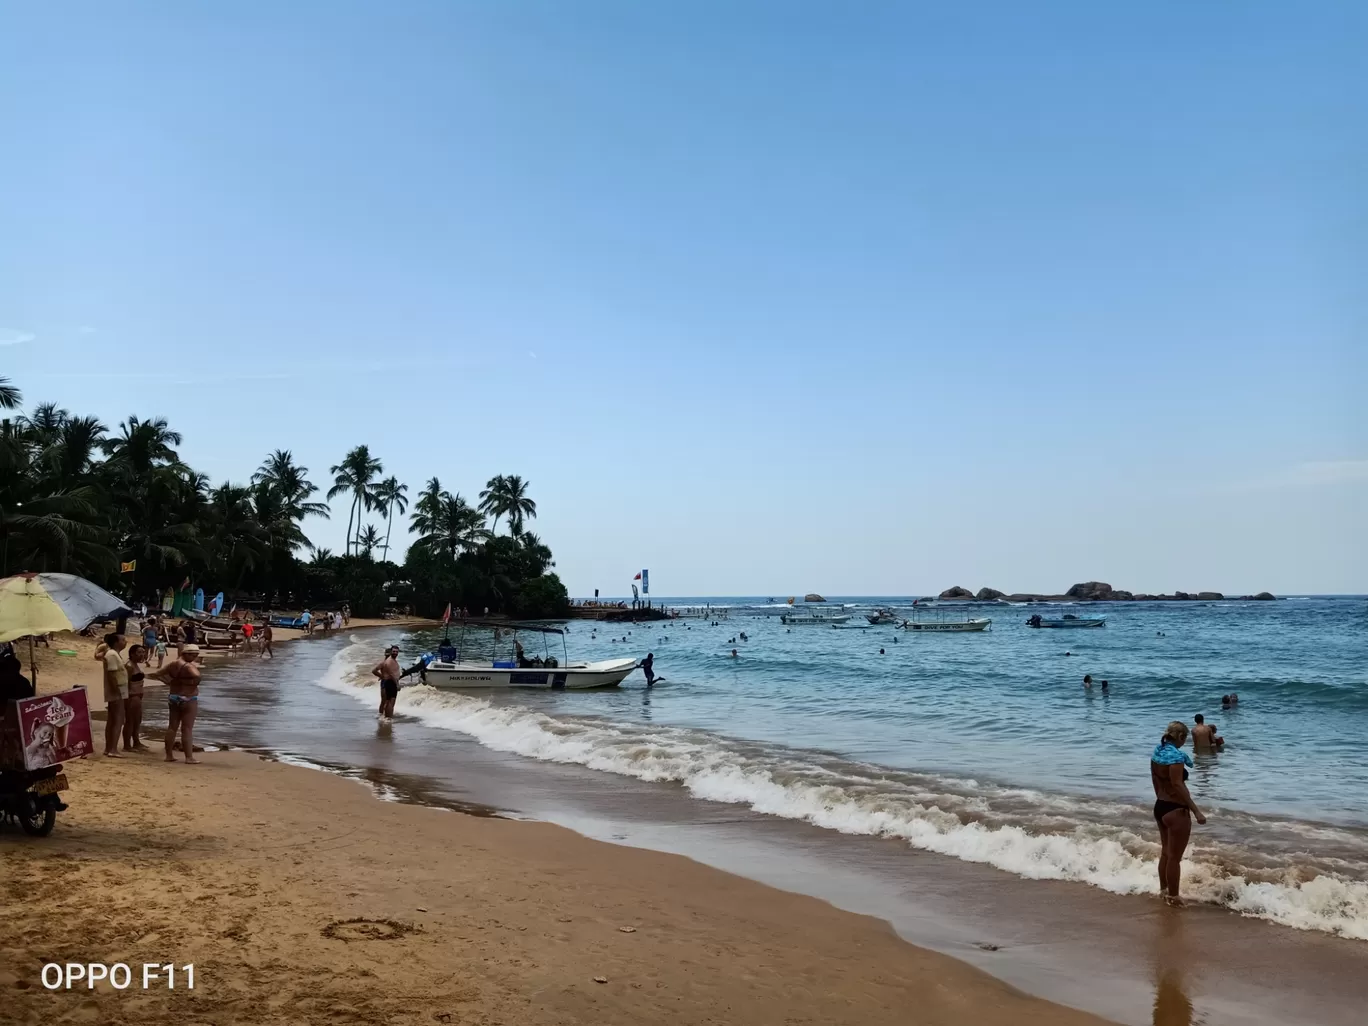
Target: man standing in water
pixel 387 670
pixel 648 668
pixel 267 633
pixel 1204 737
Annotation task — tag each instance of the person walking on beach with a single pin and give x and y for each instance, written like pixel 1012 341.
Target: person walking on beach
pixel 387 670
pixel 1173 807
pixel 115 691
pixel 182 677
pixel 132 739
pixel 267 634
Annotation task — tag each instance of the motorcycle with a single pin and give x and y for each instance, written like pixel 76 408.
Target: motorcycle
pixel 32 798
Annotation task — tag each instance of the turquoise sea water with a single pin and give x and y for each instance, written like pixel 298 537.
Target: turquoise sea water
pixel 985 746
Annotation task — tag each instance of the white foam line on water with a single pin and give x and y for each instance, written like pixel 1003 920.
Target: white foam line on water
pixel 1118 861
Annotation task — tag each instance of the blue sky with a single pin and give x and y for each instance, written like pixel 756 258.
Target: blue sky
pixel 766 297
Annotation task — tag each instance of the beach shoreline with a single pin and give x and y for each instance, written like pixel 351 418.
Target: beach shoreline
pixel 302 898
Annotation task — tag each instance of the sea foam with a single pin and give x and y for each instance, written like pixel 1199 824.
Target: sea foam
pixel 1028 833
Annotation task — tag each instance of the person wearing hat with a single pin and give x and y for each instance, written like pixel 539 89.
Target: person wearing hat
pixel 182 677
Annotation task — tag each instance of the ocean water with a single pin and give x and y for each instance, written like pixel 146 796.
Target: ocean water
pixel 985 747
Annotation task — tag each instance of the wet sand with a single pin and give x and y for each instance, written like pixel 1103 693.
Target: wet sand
pixel 1119 956
pixel 300 898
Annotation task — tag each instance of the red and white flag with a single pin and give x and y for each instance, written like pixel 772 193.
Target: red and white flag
pixel 637 577
pixel 446 617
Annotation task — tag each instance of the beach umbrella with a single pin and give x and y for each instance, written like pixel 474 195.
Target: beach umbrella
pixel 41 603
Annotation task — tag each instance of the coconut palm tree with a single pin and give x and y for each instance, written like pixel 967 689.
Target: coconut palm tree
pixel 290 481
pixel 449 525
pixel 10 396
pixel 493 501
pixel 367 540
pixel 389 496
pixel 516 503
pixel 355 474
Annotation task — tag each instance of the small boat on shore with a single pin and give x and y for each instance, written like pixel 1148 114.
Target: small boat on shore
pixel 948 626
pixel 1067 621
pixel 520 671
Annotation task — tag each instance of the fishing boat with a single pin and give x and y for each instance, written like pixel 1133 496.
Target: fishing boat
pixel 520 671
pixel 884 616
pixel 948 626
pixel 806 616
pixel 1068 620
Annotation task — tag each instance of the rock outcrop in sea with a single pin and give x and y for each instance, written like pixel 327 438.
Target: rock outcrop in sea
pixel 1096 591
pixel 956 593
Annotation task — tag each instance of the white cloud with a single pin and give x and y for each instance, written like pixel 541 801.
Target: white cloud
pixel 10 337
pixel 1331 471
pixel 1311 474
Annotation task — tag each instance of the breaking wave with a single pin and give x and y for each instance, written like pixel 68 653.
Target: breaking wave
pixel 1031 833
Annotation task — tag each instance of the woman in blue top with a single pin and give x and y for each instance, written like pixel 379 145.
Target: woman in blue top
pixel 1172 807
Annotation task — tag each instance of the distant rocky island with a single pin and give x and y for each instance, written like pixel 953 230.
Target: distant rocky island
pixel 1095 591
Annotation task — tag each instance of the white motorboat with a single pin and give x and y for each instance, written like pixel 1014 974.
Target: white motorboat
pixel 507 674
pixel 1067 621
pixel 452 670
pixel 806 616
pixel 948 626
pixel 884 616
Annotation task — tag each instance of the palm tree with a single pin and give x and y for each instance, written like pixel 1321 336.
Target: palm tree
pixel 389 496
pixel 516 503
pixel 449 524
pixel 10 396
pixel 290 481
pixel 492 501
pixel 143 444
pixel 367 540
pixel 355 474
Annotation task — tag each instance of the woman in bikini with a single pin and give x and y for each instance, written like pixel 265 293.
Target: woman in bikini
pixel 137 660
pixel 1173 806
pixel 182 677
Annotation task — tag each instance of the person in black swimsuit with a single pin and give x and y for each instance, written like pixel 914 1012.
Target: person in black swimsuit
pixel 1173 806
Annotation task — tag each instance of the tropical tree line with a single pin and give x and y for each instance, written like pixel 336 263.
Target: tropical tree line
pixel 121 507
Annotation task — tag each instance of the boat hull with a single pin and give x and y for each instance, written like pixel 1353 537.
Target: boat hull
pixel 814 621
pixel 948 627
pixel 575 677
pixel 1069 624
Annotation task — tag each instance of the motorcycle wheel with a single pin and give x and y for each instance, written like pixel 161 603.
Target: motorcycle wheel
pixel 36 822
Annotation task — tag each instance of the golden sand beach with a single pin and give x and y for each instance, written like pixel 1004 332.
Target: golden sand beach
pixel 301 898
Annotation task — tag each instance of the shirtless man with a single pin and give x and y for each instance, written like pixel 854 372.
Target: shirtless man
pixel 182 676
pixel 266 634
pixel 1204 735
pixel 388 671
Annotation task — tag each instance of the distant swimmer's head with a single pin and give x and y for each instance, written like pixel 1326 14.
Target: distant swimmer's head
pixel 1177 733
pixel 1199 719
pixel 1087 680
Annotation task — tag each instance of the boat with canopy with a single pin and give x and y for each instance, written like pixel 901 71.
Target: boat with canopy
pixel 511 667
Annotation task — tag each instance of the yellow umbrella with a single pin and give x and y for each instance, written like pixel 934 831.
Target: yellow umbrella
pixel 42 603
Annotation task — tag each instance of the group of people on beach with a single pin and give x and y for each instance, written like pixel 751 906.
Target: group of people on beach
pixel 127 668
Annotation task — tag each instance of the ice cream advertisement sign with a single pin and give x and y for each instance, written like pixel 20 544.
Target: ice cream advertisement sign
pixel 43 731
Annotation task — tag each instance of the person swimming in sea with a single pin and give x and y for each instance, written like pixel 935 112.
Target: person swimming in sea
pixel 734 655
pixel 1173 807
pixel 1087 681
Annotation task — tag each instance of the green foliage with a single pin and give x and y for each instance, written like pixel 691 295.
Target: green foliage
pixel 79 498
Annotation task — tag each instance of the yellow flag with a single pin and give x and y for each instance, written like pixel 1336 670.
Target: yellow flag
pixel 128 568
